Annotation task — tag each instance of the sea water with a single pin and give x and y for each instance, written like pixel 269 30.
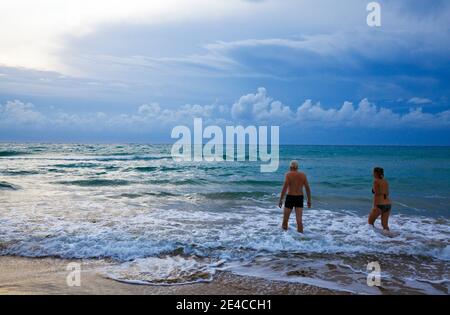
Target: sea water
pixel 164 222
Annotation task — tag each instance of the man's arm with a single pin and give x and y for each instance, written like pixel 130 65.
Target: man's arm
pixel 308 192
pixel 283 191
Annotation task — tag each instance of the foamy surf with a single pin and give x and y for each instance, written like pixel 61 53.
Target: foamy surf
pixel 168 270
pixel 126 234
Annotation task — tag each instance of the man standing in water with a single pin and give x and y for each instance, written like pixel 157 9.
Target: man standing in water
pixel 293 185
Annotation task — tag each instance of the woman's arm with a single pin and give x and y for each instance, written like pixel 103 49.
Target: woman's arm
pixel 376 192
pixel 387 189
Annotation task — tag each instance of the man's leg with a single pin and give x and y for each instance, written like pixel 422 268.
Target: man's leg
pixel 287 214
pixel 299 217
pixel 374 214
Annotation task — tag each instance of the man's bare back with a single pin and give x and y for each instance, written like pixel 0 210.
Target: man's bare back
pixel 296 181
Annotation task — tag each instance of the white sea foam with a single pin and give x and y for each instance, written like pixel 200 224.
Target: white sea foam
pixel 129 235
pixel 169 270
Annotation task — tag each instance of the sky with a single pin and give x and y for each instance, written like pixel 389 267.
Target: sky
pixel 130 71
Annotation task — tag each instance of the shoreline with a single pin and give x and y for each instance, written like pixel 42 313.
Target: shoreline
pixel 48 276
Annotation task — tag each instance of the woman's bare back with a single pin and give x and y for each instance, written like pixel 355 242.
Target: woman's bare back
pixel 381 191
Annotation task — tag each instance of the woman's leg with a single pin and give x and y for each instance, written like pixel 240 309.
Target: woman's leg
pixel 374 214
pixel 385 220
pixel 299 217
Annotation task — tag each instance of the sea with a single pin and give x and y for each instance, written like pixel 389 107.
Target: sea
pixel 158 221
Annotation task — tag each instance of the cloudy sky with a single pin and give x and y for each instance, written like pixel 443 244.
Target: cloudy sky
pixel 129 71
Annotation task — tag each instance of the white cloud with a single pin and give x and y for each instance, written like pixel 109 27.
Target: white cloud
pixel 249 106
pixel 19 113
pixel 151 110
pixel 213 113
pixel 259 107
pixel 254 108
pixel 420 101
pixel 364 115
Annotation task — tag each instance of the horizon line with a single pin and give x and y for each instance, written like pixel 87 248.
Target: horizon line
pixel 166 143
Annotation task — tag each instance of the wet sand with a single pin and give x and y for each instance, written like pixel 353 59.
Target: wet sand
pixel 20 275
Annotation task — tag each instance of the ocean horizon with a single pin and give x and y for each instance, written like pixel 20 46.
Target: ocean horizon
pixel 171 143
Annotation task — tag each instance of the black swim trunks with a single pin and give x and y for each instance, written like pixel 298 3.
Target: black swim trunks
pixel 384 208
pixel 293 201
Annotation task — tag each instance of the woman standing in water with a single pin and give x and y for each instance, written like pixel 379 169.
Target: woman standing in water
pixel 381 202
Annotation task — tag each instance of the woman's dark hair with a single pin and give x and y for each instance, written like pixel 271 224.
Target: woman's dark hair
pixel 379 171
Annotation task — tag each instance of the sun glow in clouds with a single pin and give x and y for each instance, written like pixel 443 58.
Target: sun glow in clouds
pixel 33 32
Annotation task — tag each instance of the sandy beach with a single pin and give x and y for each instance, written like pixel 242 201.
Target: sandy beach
pixel 48 276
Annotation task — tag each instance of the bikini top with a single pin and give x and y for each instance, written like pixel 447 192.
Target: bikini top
pixel 385 195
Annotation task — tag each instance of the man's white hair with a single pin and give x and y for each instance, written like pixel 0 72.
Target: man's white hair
pixel 294 165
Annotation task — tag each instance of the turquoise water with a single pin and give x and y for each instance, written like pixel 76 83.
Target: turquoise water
pixel 133 202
